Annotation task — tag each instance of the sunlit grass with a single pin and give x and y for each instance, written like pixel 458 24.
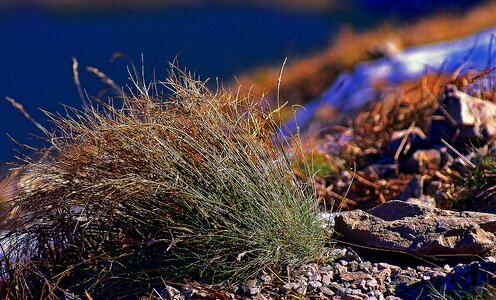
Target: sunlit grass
pixel 197 184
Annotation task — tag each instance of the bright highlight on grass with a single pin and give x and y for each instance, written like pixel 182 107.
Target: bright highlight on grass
pixel 196 184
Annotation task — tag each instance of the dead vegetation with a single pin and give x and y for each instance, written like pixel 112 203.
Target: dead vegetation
pixel 343 155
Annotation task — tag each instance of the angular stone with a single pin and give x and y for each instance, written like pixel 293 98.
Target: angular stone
pixel 251 287
pixel 327 291
pixel 419 229
pixel 354 276
pixel 315 284
pixel 386 266
pixel 256 297
pixel 463 118
pixel 424 200
pixel 423 160
pixel 383 274
pixel 326 279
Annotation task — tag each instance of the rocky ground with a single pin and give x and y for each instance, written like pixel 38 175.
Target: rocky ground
pixel 352 277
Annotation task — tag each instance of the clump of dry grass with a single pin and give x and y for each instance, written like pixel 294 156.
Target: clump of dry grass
pixel 199 185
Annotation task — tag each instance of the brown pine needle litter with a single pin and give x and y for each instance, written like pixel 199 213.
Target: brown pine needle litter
pixel 197 184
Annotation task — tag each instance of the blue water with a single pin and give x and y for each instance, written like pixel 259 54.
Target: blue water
pixel 37 46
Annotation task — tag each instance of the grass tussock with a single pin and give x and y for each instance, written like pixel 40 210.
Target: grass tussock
pixel 199 184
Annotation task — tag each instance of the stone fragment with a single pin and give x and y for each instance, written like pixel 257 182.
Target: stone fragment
pixel 383 274
pixel 362 284
pixel 386 266
pixel 251 287
pixel 372 283
pixel 265 279
pixel 424 200
pixel 326 279
pixel 366 266
pixel 354 276
pixel 419 229
pixel 256 297
pixel 327 291
pixel 315 284
pixel 423 160
pixel 350 294
pixel 462 118
pixel 340 269
pixel 351 255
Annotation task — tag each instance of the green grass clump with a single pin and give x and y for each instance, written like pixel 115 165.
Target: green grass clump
pixel 197 184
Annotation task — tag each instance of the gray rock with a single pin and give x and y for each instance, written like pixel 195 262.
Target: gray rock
pixel 446 154
pixel 265 279
pixel 315 284
pixel 423 200
pixel 366 266
pixel 414 188
pixel 423 160
pixel 463 118
pixel 351 255
pixel 257 297
pixel 339 269
pixel 419 229
pixel 327 279
pixel 353 266
pixel 355 276
pixel 327 291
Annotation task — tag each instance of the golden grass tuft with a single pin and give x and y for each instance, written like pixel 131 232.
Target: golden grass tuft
pixel 198 185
